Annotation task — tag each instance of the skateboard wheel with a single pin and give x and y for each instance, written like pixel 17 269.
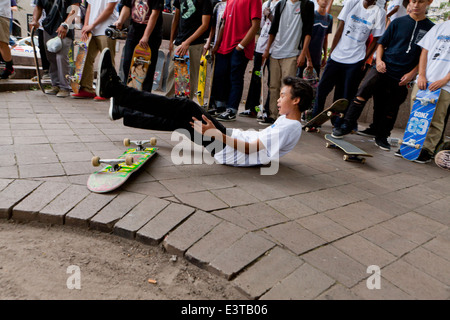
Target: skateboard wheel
pixel 126 142
pixel 341 115
pixel 95 161
pixel 329 113
pixel 153 141
pixel 363 160
pixel 327 145
pixel 307 129
pixel 318 130
pixel 417 146
pixel 129 160
pixel 346 157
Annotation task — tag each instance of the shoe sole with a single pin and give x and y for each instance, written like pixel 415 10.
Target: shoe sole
pixel 382 148
pixel 226 120
pixel 442 159
pixel 336 137
pixel 110 110
pixel 97 88
pixel 359 133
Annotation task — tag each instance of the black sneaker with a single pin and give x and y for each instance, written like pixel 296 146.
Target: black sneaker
pixel 228 115
pixel 115 111
pixel 215 112
pixel 367 133
pixel 398 153
pixel 339 133
pixel 267 121
pixel 107 77
pixel 248 113
pixel 383 144
pixel 424 157
pixel 7 73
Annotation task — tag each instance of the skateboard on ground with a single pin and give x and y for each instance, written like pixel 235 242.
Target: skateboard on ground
pixel 418 124
pixel 119 170
pixel 139 67
pixel 80 60
pixel 181 76
pixel 336 109
pixel 352 153
pixel 158 71
pixel 36 60
pixel 442 159
pixel 202 78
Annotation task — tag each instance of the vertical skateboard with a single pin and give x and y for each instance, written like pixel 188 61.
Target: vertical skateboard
pixel 181 76
pixel 418 124
pixel 79 64
pixel 207 105
pixel 336 109
pixel 165 72
pixel 260 108
pixel 139 67
pixel 36 60
pixel 352 153
pixel 119 170
pixel 202 78
pixel 158 71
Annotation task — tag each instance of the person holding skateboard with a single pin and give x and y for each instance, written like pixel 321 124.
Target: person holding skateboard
pixel 59 16
pixel 229 146
pixel 397 59
pixel 5 51
pixel 99 15
pixel 434 69
pixel 145 29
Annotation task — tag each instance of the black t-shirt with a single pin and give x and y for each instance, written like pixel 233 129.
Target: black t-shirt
pixel 140 14
pixel 191 12
pixel 400 39
pixel 56 13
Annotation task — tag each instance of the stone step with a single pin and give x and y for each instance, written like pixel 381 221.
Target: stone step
pixel 20 84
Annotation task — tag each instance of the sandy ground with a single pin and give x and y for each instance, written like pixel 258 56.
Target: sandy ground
pixel 36 260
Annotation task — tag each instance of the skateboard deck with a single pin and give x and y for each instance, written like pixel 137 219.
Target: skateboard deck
pixel 158 71
pixel 202 78
pixel 352 152
pixel 117 171
pixel 442 159
pixel 181 75
pixel 207 105
pixel 418 124
pixel 260 108
pixel 36 60
pixel 336 109
pixel 80 60
pixel 165 72
pixel 139 67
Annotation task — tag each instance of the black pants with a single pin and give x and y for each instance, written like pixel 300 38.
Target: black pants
pixel 135 34
pixel 155 112
pixel 44 60
pixel 254 90
pixel 387 98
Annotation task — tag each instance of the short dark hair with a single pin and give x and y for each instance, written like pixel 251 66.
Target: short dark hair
pixel 300 89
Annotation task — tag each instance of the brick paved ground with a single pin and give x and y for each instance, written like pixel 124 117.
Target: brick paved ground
pixel 309 232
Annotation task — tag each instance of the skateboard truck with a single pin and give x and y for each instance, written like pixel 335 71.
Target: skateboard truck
pixel 410 143
pixel 139 143
pixel 114 163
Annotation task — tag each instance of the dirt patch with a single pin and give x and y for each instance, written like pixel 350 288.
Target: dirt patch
pixel 35 261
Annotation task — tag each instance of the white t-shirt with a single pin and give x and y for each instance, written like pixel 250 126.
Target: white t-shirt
pixel 437 42
pixel 286 41
pixel 359 24
pixel 97 7
pixel 280 138
pixel 401 9
pixel 5 8
pixel 265 27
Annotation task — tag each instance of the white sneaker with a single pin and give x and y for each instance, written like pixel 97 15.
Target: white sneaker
pixel 52 91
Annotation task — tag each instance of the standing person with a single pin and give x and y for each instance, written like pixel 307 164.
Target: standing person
pixel 288 45
pixel 99 15
pixel 59 16
pixel 13 9
pixel 145 29
pixel 254 90
pixel 190 25
pixel 396 9
pixel 233 50
pixel 434 73
pixel 42 51
pixel 5 51
pixel 397 60
pixel 344 69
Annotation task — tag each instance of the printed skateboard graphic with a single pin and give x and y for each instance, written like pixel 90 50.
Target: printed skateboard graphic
pixel 181 74
pixel 139 67
pixel 80 60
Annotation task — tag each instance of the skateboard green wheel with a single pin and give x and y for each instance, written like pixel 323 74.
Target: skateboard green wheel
pixel 126 142
pixel 153 141
pixel 129 160
pixel 95 161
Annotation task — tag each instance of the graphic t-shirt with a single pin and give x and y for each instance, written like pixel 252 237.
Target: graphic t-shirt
pixel 238 18
pixel 97 7
pixel 323 26
pixel 140 14
pixel 280 138
pixel 359 24
pixel 437 42
pixel 56 13
pixel 401 53
pixel 191 12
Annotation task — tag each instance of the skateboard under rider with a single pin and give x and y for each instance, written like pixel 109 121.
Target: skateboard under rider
pixel 352 152
pixel 337 108
pixel 117 171
pixel 416 130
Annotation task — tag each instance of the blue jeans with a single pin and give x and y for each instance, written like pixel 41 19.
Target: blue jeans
pixel 229 79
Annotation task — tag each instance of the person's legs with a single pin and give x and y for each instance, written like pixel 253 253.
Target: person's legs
pixel 44 60
pixel 130 44
pixel 274 87
pixel 88 71
pixel 238 65
pixel 53 69
pixel 254 90
pixel 5 51
pixel 62 60
pixel 221 82
pixel 148 82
